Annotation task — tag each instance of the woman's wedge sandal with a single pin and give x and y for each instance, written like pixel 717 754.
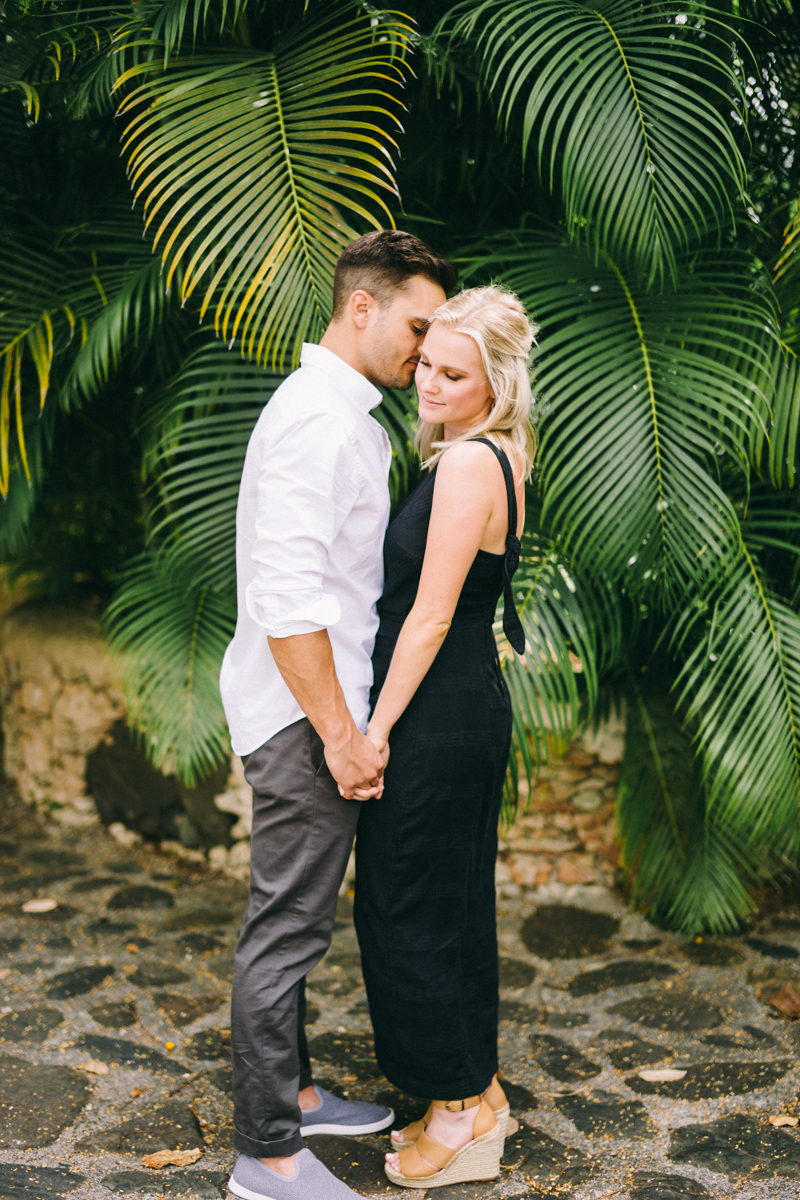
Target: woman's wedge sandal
pixel 428 1164
pixel 494 1096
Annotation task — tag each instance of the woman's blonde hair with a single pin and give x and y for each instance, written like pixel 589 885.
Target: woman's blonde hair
pixel 498 324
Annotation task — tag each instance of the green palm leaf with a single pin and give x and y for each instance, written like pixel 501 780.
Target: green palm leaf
pixel 169 633
pixel 640 395
pixel 571 634
pixel 626 104
pixel 249 160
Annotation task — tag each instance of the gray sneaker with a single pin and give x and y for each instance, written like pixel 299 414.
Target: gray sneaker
pixel 334 1115
pixel 312 1181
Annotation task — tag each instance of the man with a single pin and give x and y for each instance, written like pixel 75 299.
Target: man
pixel 295 681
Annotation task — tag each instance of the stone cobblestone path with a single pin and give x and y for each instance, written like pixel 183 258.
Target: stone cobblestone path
pixel 642 1066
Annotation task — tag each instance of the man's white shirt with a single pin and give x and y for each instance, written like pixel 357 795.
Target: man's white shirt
pixel 312 513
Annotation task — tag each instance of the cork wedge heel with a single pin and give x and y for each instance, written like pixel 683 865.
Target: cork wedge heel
pixel 428 1164
pixel 494 1096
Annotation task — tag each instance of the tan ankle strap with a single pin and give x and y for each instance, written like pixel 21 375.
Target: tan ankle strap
pixel 457 1105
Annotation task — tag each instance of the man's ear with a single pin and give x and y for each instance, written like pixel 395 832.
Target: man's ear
pixel 361 305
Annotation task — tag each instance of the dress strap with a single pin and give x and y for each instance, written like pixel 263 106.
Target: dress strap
pixel 512 626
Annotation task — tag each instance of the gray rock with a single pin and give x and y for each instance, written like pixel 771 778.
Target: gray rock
pixel 183 1010
pixel 223 1079
pixel 199 942
pixel 355 1051
pixel 738 1146
pixel 605 1115
pixel 540 1158
pixel 516 974
pixel 356 1164
pixel 619 974
pixel 173 1126
pixel 704 1081
pixel 771 949
pixel 566 1020
pixel 712 954
pixel 560 1060
pixel 637 1053
pixel 199 918
pixel 204 1185
pixel 653 1185
pixel 29 1024
pixel 209 1044
pixel 128 1054
pixel 128 1183
pixel 141 896
pixel 562 931
pixel 519 1014
pixel 35 1183
pixel 106 928
pixel 77 982
pixel 153 974
pixel 677 1012
pixel 116 1014
pixel 519 1097
pixel 37 1102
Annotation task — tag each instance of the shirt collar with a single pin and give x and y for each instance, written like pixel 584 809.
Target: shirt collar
pixel 346 379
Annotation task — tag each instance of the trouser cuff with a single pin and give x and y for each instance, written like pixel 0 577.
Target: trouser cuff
pixel 280 1149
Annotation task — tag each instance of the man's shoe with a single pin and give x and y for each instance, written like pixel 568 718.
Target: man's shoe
pixel 251 1180
pixel 333 1115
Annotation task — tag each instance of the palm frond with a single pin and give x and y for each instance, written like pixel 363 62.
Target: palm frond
pixel 740 688
pixel 572 632
pixel 626 104
pixel 169 632
pixel 197 457
pixel 247 160
pixel 46 295
pixel 640 394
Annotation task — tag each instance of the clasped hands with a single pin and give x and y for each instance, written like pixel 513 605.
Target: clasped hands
pixel 358 767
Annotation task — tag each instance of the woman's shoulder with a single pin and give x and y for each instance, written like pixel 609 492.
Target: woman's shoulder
pixel 476 460
pixel 466 458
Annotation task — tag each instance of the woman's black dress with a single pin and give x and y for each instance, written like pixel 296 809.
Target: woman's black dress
pixel 426 851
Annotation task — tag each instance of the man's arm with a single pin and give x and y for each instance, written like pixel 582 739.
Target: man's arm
pixel 305 660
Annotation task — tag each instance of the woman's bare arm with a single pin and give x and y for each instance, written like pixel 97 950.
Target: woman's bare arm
pixel 465 494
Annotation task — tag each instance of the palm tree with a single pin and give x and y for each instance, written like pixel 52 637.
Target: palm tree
pixel 630 170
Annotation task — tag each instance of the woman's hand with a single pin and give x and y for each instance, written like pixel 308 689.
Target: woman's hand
pixel 381 743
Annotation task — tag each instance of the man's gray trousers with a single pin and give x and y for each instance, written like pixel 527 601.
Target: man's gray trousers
pixel 302 835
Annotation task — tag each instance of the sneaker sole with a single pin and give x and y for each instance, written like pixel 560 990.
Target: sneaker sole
pixel 351 1130
pixel 245 1193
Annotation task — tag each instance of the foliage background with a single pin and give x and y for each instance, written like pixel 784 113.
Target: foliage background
pixel 631 170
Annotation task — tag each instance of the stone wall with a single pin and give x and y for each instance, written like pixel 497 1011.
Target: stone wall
pixel 58 703
pixel 67 748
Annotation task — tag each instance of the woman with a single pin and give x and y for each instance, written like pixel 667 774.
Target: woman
pixel 426 848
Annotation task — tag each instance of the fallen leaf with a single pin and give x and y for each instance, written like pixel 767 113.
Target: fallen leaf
pixel 665 1075
pixel 136 1092
pixel 786 1001
pixel 94 1067
pixel 783 1121
pixel 132 948
pixel 39 906
pixel 4 974
pixel 171 1158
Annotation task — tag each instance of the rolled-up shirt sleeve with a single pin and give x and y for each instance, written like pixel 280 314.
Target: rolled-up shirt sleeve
pixel 308 482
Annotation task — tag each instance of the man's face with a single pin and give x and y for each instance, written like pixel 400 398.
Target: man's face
pixel 391 340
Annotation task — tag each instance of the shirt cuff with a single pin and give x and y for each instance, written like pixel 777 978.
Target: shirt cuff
pixel 285 615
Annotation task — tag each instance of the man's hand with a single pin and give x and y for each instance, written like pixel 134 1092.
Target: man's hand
pixel 357 766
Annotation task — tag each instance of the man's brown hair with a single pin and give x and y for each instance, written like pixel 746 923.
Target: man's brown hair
pixel 382 261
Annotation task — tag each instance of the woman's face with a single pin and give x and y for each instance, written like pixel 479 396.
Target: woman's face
pixel 451 383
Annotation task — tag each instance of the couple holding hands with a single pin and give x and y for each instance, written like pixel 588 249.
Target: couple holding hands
pixel 363 692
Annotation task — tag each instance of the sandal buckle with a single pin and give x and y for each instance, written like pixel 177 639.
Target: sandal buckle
pixel 458 1105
